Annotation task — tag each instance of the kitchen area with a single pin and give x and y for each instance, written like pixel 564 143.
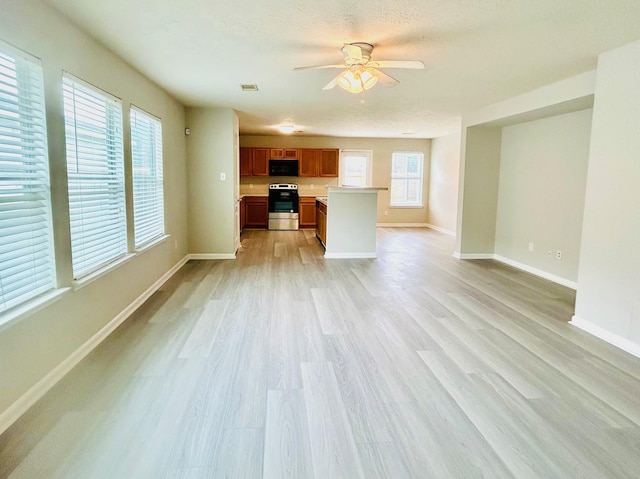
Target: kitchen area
pixel 285 189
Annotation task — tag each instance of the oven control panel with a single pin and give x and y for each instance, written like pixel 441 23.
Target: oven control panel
pixel 283 186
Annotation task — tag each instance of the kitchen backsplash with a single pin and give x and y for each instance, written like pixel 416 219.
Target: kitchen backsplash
pixel 256 185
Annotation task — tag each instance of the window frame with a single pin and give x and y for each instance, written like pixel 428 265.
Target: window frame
pixel 155 163
pixel 406 203
pixel 25 187
pixel 368 155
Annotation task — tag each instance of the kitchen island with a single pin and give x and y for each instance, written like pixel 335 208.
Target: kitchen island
pixel 351 215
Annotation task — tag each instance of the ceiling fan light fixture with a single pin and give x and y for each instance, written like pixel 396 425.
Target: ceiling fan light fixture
pixel 368 79
pixel 357 80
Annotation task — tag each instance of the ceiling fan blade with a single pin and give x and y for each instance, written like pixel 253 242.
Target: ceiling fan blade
pixel 413 64
pixel 331 84
pixel 352 51
pixel 384 78
pixel 341 65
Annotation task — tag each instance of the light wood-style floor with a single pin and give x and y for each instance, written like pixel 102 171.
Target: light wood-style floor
pixel 282 364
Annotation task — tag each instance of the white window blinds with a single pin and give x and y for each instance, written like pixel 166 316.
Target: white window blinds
pixel 95 170
pixel 26 245
pixel 148 198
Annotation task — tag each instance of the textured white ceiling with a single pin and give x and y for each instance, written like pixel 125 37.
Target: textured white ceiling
pixel 476 52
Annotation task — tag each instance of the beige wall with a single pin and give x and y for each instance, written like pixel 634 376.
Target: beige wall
pixel 382 149
pixel 33 346
pixel 478 193
pixel 609 276
pixel 543 171
pixel 443 182
pixel 212 151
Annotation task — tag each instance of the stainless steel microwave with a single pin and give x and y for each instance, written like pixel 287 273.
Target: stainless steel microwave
pixel 283 167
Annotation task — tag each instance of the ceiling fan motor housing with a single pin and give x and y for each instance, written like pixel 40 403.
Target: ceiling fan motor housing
pixel 357 59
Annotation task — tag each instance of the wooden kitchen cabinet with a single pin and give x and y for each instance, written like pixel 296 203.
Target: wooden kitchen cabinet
pixel 307 211
pixel 328 163
pixel 246 161
pixel 290 153
pixel 256 211
pixel 260 162
pixel 286 153
pixel 321 226
pixel 254 161
pixel 309 159
pixel 276 152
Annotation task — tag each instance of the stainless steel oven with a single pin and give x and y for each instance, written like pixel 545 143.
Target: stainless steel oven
pixel 283 206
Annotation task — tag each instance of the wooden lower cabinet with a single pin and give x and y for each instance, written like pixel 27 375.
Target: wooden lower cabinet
pixel 307 212
pixel 321 225
pixel 256 211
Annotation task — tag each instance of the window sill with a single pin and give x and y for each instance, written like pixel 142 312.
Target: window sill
pixel 407 206
pixel 91 277
pixel 30 307
pixel 151 244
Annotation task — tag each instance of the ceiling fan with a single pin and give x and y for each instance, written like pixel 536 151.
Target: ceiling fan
pixel 361 73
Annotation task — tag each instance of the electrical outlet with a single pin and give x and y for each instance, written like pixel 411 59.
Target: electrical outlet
pixel 386 212
pixel 223 176
pixel 532 247
pixel 313 186
pixel 250 185
pixel 558 254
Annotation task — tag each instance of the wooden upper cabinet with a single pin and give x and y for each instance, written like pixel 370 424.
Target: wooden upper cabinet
pixel 246 161
pixel 276 153
pixel 290 153
pixel 309 159
pixel 260 162
pixel 328 165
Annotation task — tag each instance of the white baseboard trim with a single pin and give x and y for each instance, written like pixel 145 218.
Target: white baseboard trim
pixel 521 266
pixel 538 272
pixel 350 255
pixel 212 256
pixel 609 337
pixel 473 255
pixel 441 230
pixel 402 225
pixel 28 399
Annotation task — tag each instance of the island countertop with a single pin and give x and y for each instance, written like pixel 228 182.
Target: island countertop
pixel 356 189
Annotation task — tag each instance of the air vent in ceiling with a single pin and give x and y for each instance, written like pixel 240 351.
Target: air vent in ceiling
pixel 249 87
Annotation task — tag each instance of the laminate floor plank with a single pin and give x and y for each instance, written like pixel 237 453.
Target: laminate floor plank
pixel 382 460
pixel 333 447
pixel 239 455
pixel 203 291
pixel 509 434
pixel 362 403
pixel 287 451
pixel 205 331
pixel 282 363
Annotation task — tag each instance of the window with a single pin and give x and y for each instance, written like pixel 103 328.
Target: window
pixel 406 178
pixel 95 170
pixel 355 167
pixel 148 199
pixel 26 241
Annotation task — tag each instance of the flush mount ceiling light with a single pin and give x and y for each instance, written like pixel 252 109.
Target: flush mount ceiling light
pixel 286 128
